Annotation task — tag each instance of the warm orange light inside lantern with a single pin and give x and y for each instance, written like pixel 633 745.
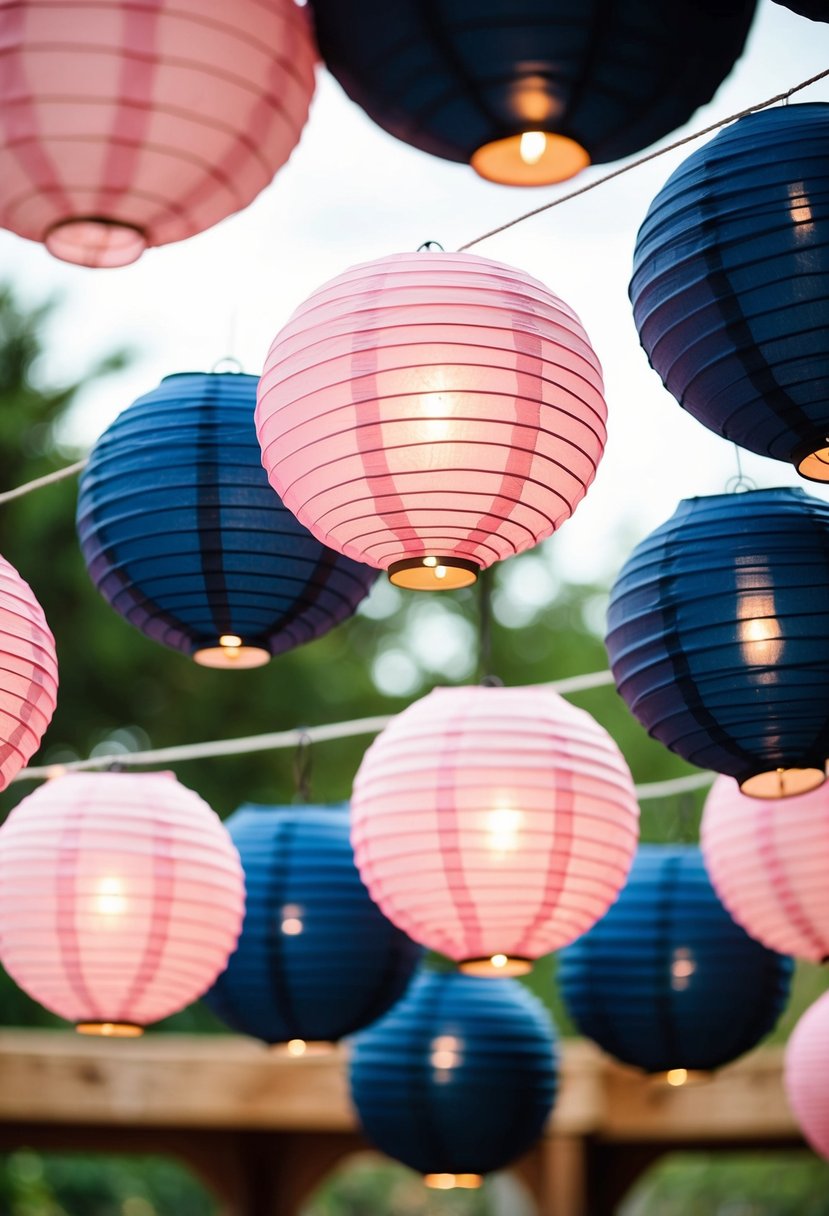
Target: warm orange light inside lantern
pixel 814 466
pixel 232 652
pixel 96 242
pixel 783 782
pixel 298 1048
pixel 680 1077
pixel 433 573
pixel 448 1182
pixel 110 1030
pixel 496 965
pixel 533 158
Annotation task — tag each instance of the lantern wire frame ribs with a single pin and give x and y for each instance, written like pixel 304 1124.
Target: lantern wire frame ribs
pixel 185 539
pixel 121 897
pixel 730 287
pixel 431 413
pixel 493 824
pixel 126 125
pixel 718 637
pixel 530 93
pixel 457 1079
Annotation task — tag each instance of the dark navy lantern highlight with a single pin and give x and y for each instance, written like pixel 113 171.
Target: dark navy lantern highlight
pixel 185 538
pixel 718 636
pixel 459 1077
pixel 316 958
pixel 666 980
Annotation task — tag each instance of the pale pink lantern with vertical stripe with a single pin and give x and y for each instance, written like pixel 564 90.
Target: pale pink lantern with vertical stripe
pixel 769 865
pixel 807 1074
pixel 28 673
pixel 431 413
pixel 494 824
pixel 121 898
pixel 125 125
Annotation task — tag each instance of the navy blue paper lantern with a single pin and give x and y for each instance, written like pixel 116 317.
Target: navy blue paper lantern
pixel 458 1078
pixel 730 285
pixel 183 535
pixel 530 91
pixel 815 10
pixel 316 959
pixel 718 636
pixel 666 981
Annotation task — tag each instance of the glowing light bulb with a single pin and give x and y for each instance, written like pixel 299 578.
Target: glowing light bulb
pixel 532 147
pixel 291 924
pixel 676 1076
pixel 110 900
pixel 440 572
pixel 503 830
pixel 296 1047
pixel 445 1052
pixel 499 960
pixel 431 562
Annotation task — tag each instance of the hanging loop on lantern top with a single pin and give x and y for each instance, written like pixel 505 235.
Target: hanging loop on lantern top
pixel 718 637
pixel 431 246
pixel 430 414
pixel 530 94
pixel 128 125
pixel 730 286
pixel 184 537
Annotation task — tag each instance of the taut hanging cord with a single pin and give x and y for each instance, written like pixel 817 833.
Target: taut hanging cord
pixel 643 160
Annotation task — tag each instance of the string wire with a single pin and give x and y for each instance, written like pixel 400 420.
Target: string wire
pixel 643 160
pixel 301 739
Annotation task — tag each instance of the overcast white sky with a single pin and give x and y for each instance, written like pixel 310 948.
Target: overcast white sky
pixel 351 193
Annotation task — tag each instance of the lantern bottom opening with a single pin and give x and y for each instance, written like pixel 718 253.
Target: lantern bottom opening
pixel 783 782
pixel 812 460
pixel 533 158
pixel 95 241
pixel 231 653
pixel 495 966
pixel 448 1182
pixel 433 572
pixel 110 1030
pixel 297 1048
pixel 678 1078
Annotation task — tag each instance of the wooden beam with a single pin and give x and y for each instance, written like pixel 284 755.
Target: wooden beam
pixel 221 1081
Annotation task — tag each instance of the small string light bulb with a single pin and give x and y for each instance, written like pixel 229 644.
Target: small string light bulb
pixel 532 147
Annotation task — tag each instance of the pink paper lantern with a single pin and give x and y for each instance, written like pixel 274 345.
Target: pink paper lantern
pixel 769 864
pixel 121 898
pixel 807 1073
pixel 28 673
pixel 431 413
pixel 494 824
pixel 126 125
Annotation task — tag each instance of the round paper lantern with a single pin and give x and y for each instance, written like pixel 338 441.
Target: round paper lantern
pixel 494 824
pixel 718 635
pixel 184 537
pixel 28 673
pixel 806 1070
pixel 769 864
pixel 666 981
pixel 430 413
pixel 129 125
pixel 121 897
pixel 457 1079
pixel 530 92
pixel 316 959
pixel 730 285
